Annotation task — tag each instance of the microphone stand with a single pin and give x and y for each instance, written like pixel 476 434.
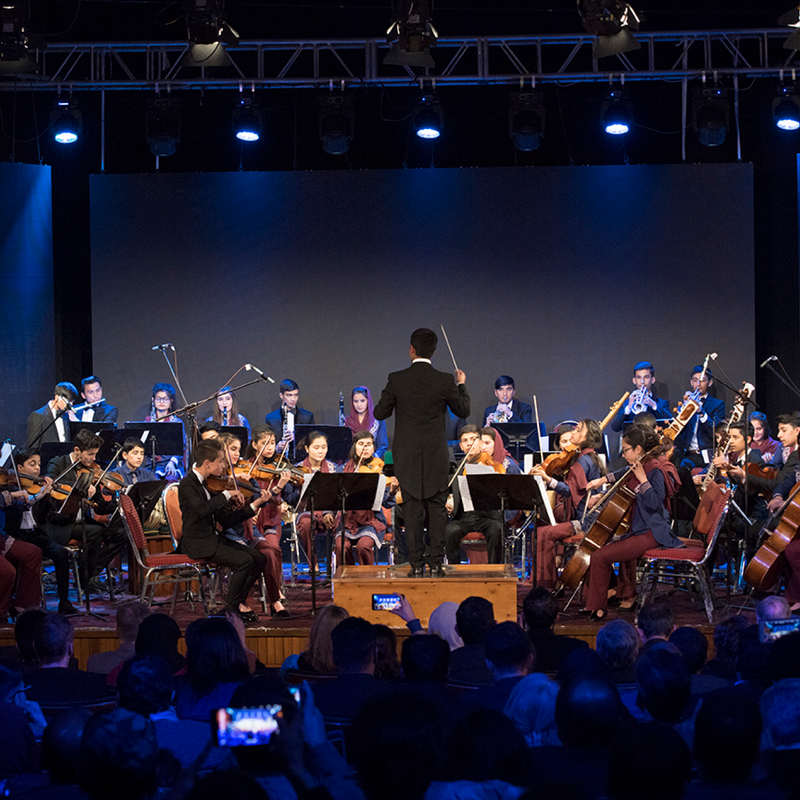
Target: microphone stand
pixel 47 427
pixel 780 377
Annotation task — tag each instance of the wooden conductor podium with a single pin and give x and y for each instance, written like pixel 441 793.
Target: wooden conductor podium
pixel 353 588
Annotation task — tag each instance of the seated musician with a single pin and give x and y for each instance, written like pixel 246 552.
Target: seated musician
pixel 363 529
pixel 266 537
pixel 779 488
pixel 492 443
pixel 232 449
pixel 162 404
pixel 101 544
pixel 361 418
pixel 572 492
pixel 24 513
pixel 40 428
pixel 226 411
pixel 284 419
pixel 316 446
pixel 462 522
pixel 208 430
pixel 653 481
pixel 202 513
pixel 99 410
pixel 698 434
pixel 132 458
pixel 642 398
pixel 769 448
pixel 507 409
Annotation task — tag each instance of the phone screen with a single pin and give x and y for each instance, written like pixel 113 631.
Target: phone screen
pixel 385 602
pixel 238 727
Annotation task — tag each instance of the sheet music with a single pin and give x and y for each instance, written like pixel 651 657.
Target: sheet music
pixel 5 452
pixel 463 486
pixel 306 481
pixel 379 492
pixel 545 502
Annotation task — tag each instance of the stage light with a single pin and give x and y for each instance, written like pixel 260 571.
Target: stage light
pixel 248 121
pixel 17 43
pixel 65 122
pixel 526 118
pixel 710 114
pixel 616 114
pixel 336 123
pixel 611 21
pixel 411 34
pixel 786 109
pixel 428 118
pixel 792 19
pixel 208 33
pixel 163 125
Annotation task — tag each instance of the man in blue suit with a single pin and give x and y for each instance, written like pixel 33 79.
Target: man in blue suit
pixel 284 419
pixel 698 434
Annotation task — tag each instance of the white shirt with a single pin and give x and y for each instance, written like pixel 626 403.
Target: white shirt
pixel 62 435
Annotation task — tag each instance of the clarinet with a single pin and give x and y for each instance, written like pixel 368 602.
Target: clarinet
pixel 341 410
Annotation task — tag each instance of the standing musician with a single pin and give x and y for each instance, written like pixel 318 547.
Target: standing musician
pixel 507 409
pixel 698 435
pixel 653 482
pixel 586 472
pixel 64 395
pixel 769 448
pixel 420 396
pixel 462 522
pixel 202 513
pixel 363 529
pixel 99 410
pixel 226 411
pixel 284 419
pixel 642 399
pixel 162 404
pixel 362 418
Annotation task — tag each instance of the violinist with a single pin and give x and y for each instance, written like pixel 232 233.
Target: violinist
pixel 462 522
pixel 492 443
pixel 162 404
pixel 654 482
pixel 226 411
pixel 779 488
pixel 317 448
pixel 266 535
pixel 40 428
pixel 101 544
pixel 642 398
pixel 361 418
pixel 363 530
pixel 284 419
pixel 97 409
pixel 232 447
pixel 698 434
pixel 507 409
pixel 572 492
pixel 202 513
pixel 132 457
pixel 769 448
pixel 23 518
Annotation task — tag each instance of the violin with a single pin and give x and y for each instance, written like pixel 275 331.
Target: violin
pixel 20 481
pixel 217 485
pixel 559 463
pixel 112 481
pixel 374 466
pixel 267 472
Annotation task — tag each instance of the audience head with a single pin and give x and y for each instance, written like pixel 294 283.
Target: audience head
pixel 773 607
pixel 727 735
pixel 655 621
pixel 53 640
pixel 425 658
pixel 540 609
pixel 320 650
pixel 780 712
pixel 353 643
pixel 214 654
pixel 145 685
pixel 587 713
pixel 753 658
pixel 726 639
pixel 474 618
pixel 10 684
pixel 24 634
pixel 61 745
pixel 129 618
pixel 784 657
pixel 386 664
pixel 159 635
pixel 442 622
pixel 617 645
pixel 508 650
pixel 531 706
pixel 693 646
pixel 664 684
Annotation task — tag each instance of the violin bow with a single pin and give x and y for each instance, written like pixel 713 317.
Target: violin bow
pixel 449 348
pixel 258 456
pixel 466 455
pixel 538 429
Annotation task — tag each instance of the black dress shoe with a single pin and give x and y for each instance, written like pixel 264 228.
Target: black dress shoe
pixel 598 616
pixel 282 614
pixel 437 572
pixel 66 609
pixel 416 572
pixel 249 616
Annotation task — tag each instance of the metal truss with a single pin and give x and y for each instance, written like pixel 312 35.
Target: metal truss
pixel 481 60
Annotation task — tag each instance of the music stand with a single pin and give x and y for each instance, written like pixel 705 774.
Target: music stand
pixel 494 492
pixel 340 439
pixel 519 435
pixel 161 438
pixel 347 491
pixel 239 431
pixel 50 450
pixel 94 427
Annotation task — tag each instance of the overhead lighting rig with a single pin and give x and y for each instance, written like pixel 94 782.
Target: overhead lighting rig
pixel 163 125
pixel 208 33
pixel 428 117
pixel 792 19
pixel 786 108
pixel 17 43
pixel 526 117
pixel 710 113
pixel 66 122
pixel 336 123
pixel 411 34
pixel 611 21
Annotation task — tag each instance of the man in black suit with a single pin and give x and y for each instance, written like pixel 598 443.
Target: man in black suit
pixel 96 408
pixel 507 408
pixel 420 396
pixel 540 612
pixel 284 419
pixel 201 513
pixel 64 396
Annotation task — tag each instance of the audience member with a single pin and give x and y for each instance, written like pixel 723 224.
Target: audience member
pixel 129 618
pixel 655 622
pixel 693 646
pixel 23 654
pixel 61 754
pixel 540 613
pixel 531 706
pixel 227 783
pixel 617 645
pixel 18 753
pixel 319 655
pixel 13 690
pixel 726 647
pixel 784 657
pixel 424 659
pixel 442 622
pixel 780 714
pixel 752 666
pixel 159 635
pixel 509 657
pixel 776 606
pixel 664 684
pixel 387 665
pixel 474 619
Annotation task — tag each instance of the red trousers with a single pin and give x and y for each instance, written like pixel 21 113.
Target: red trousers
pixel 364 547
pixel 546 538
pixel 270 547
pixel 21 566
pixel 625 552
pixel 792 553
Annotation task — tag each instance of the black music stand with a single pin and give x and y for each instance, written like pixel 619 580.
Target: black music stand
pixel 494 492
pixel 50 450
pixel 239 431
pixel 161 438
pixel 519 435
pixel 340 439
pixel 94 427
pixel 145 496
pixel 347 491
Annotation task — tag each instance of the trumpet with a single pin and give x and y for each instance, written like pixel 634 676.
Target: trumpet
pixel 637 403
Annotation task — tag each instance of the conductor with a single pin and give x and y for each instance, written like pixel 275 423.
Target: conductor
pixel 420 395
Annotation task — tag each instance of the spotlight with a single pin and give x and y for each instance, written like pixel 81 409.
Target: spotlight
pixel 16 41
pixel 248 121
pixel 411 34
pixel 611 21
pixel 526 120
pixel 710 115
pixel 66 122
pixel 336 123
pixel 163 126
pixel 428 118
pixel 786 109
pixel 208 33
pixel 792 19
pixel 617 114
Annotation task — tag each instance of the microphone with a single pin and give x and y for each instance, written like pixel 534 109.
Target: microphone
pixel 164 346
pixel 259 372
pixel 764 363
pixel 712 356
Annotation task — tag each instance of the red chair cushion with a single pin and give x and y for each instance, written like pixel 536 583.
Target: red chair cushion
pixel 474 536
pixel 169 559
pixel 677 554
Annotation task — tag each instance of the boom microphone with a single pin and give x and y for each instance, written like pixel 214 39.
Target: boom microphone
pixel 764 363
pixel 164 346
pixel 259 372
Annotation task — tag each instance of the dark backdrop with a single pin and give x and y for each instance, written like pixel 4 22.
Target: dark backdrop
pixel 562 277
